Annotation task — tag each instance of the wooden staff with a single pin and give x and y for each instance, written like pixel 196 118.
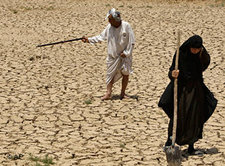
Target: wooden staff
pixel 173 153
pixel 60 42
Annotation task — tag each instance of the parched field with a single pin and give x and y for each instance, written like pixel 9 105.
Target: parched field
pixel 50 103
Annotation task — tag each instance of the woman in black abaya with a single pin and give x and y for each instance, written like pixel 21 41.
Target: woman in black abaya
pixel 195 102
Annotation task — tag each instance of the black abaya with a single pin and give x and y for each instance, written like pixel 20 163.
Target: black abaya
pixel 195 102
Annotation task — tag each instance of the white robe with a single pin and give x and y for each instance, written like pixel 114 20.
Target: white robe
pixel 120 40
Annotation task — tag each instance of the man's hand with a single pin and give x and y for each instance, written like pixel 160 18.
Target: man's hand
pixel 85 39
pixel 123 55
pixel 175 73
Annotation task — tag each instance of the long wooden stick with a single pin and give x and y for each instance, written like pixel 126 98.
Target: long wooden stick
pixel 60 42
pixel 175 93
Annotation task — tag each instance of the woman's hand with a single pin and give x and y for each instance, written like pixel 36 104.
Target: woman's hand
pixel 175 73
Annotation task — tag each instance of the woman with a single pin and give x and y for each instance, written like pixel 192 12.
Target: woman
pixel 195 102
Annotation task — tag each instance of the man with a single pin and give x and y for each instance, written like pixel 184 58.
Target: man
pixel 120 39
pixel 195 101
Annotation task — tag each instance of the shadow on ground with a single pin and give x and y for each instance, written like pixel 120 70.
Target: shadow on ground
pixel 118 97
pixel 199 152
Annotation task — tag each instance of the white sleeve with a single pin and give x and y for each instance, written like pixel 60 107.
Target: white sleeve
pixel 99 38
pixel 131 42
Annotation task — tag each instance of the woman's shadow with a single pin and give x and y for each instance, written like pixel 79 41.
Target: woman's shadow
pixel 199 152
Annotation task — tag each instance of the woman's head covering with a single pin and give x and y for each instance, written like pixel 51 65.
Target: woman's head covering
pixel 115 14
pixel 193 42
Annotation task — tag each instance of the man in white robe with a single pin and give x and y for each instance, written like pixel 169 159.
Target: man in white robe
pixel 120 39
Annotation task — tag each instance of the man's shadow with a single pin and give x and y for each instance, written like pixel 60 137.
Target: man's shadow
pixel 118 97
pixel 199 152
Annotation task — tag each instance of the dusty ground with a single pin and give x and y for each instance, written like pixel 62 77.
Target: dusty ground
pixel 50 96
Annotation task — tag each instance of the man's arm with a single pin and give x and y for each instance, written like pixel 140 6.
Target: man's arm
pixel 98 38
pixel 129 49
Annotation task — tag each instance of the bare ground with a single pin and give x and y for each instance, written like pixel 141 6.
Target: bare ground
pixel 50 96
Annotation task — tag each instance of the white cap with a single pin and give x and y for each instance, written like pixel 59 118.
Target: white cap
pixel 111 11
